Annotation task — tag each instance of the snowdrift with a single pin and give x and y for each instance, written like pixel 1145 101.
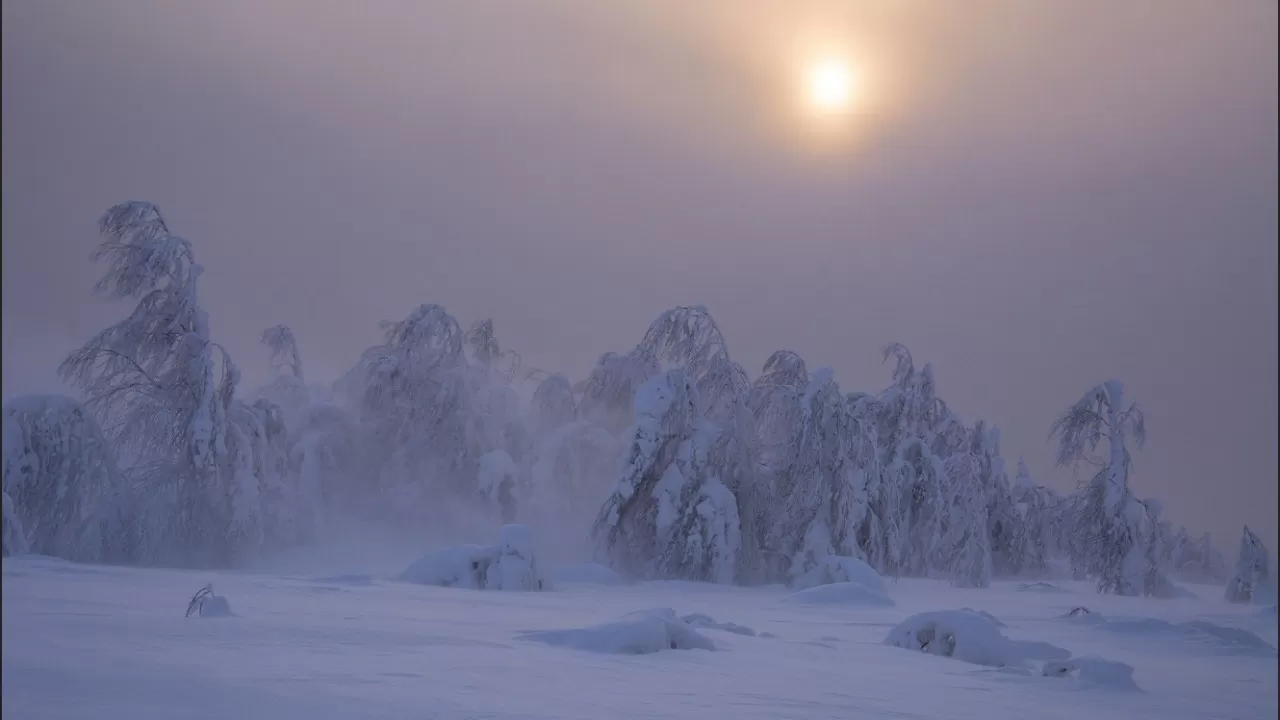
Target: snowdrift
pixel 592 573
pixel 839 569
pixel 637 633
pixel 844 593
pixel 1223 639
pixel 509 565
pixel 1093 671
pixel 698 620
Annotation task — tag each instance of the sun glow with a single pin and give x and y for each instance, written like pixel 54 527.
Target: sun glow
pixel 829 86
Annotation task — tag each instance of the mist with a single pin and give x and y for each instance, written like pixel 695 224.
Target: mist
pixel 1039 197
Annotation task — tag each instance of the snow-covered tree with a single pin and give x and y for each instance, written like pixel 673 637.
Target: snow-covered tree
pixel 1107 519
pixel 161 388
pixel 1252 569
pixel 1035 535
pixel 670 515
pixel 326 455
pixel 963 551
pixel 62 479
pixel 15 537
pixel 286 387
pixel 822 486
pixel 1154 540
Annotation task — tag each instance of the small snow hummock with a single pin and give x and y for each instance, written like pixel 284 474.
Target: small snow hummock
pixel 699 620
pixel 637 633
pixel 509 565
pixel 840 569
pixel 841 593
pixel 959 634
pixel 1040 587
pixel 1093 671
pixel 205 604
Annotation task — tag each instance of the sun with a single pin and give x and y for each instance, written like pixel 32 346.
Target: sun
pixel 829 86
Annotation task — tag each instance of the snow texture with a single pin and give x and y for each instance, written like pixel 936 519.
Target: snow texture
pixel 104 642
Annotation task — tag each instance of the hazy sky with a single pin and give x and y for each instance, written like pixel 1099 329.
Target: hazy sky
pixel 1034 196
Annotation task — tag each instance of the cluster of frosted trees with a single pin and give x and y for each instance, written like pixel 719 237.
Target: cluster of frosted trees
pixel 669 459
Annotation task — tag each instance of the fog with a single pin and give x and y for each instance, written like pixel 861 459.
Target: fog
pixel 1036 196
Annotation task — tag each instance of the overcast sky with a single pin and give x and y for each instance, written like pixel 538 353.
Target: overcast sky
pixel 1033 196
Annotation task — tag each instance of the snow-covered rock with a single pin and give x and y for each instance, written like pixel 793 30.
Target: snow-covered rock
pixel 842 593
pixel 638 633
pixel 509 565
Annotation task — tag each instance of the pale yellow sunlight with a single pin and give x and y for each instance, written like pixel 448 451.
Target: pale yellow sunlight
pixel 830 86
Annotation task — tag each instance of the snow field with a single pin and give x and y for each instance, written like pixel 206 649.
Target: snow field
pixel 110 643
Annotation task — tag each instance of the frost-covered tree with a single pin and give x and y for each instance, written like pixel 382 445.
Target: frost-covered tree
pixel 1155 541
pixel 15 537
pixel 161 388
pixel 1035 536
pixel 1107 519
pixel 822 485
pixel 553 405
pixel 963 551
pixel 1002 519
pixel 61 476
pixel 670 515
pixel 1251 569
pixel 286 387
pixel 327 458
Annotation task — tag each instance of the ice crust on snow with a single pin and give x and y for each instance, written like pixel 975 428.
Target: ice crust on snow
pixel 637 633
pixel 508 565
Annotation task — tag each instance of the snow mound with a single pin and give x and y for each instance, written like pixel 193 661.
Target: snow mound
pixel 1093 671
pixel 509 565
pixel 593 573
pixel 959 634
pixel 1041 587
pixel 1082 615
pixel 1229 640
pixel 839 569
pixel 841 593
pixel 205 604
pixel 986 615
pixel 698 620
pixel 637 633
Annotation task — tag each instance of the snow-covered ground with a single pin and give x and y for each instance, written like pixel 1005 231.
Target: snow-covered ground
pixel 84 641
